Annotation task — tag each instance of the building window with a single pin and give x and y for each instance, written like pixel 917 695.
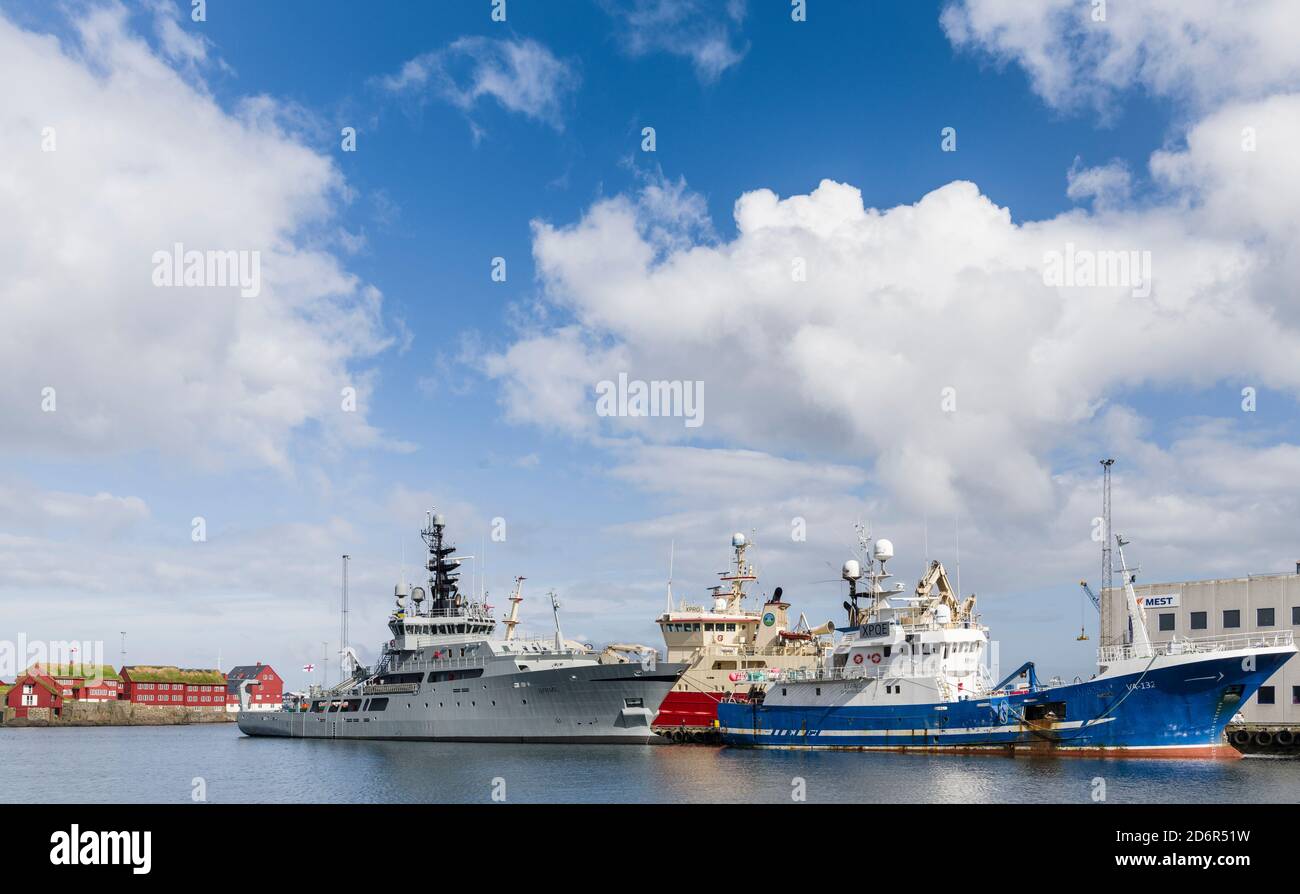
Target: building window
pixel 1295 695
pixel 1200 620
pixel 1295 614
pixel 1231 618
pixel 1264 617
pixel 1266 696
pixel 1167 621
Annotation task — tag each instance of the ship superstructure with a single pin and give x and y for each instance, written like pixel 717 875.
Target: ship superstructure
pixel 446 674
pixel 909 672
pixel 729 648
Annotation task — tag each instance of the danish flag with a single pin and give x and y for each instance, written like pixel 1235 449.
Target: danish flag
pixel 309 667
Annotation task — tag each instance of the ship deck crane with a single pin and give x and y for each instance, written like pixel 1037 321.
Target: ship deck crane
pixel 1096 603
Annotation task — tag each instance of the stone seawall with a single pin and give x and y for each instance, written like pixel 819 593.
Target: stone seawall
pixel 120 714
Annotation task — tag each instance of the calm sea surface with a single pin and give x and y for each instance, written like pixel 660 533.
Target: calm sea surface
pixel 160 764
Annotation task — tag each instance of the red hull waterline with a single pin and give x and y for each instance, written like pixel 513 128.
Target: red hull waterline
pixel 693 710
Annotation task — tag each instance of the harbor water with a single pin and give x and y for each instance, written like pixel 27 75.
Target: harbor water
pixel 215 763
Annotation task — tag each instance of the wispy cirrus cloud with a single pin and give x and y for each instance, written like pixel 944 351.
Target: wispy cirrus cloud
pixel 707 33
pixel 523 76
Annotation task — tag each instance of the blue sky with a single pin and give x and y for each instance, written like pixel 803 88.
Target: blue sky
pixel 444 180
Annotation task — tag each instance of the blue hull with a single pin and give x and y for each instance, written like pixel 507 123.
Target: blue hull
pixel 1168 711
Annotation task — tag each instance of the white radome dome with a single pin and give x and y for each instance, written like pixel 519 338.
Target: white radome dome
pixel 738 539
pixel 852 570
pixel 719 604
pixel 884 550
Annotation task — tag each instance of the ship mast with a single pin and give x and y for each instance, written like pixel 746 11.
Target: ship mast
pixel 672 548
pixel 516 597
pixel 1107 564
pixel 444 581
pixel 344 670
pixel 1139 638
pixel 555 610
pixel 743 574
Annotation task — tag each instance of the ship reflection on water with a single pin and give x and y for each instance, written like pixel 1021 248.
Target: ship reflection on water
pixel 158 764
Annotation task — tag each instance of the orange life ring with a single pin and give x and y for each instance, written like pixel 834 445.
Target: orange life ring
pixel 857 659
pixel 875 657
pixel 719 637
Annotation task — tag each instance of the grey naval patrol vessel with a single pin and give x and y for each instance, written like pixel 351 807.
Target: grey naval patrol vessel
pixel 447 675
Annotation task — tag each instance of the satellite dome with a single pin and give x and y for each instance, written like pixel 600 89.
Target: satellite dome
pixel 884 550
pixel 417 593
pixel 852 570
pixel 401 589
pixel 738 539
pixel 719 604
pixel 438 519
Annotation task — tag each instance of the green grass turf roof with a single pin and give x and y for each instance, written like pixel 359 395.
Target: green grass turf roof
pixel 89 671
pixel 143 673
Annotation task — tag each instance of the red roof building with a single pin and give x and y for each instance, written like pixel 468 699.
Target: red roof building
pixel 88 682
pixel 35 689
pixel 266 693
pixel 174 687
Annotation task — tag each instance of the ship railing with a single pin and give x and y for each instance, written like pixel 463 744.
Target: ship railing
pixel 978 684
pixel 816 674
pixel 471 611
pixel 1197 646
pixel 390 688
pixel 437 664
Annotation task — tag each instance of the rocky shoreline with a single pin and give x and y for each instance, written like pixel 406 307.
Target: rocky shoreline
pixel 119 714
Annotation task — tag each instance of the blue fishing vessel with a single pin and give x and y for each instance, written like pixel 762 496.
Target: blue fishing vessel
pixel 909 672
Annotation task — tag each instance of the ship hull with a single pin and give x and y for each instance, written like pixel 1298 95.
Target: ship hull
pixel 593 704
pixel 1176 706
pixel 692 710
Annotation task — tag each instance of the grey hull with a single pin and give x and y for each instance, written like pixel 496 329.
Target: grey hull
pixel 613 703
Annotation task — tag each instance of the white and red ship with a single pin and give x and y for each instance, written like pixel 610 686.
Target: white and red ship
pixel 729 649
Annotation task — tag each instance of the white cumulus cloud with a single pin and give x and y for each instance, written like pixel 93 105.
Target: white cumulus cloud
pixel 109 157
pixel 1198 51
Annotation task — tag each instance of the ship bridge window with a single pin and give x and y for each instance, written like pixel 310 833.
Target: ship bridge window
pixel 466 674
pixel 724 665
pixel 708 628
pixel 352 704
pixel 731 627
pixel 402 678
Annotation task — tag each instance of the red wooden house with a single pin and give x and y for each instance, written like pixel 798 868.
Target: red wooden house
pixel 265 694
pixel 35 690
pixel 174 687
pixel 85 682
